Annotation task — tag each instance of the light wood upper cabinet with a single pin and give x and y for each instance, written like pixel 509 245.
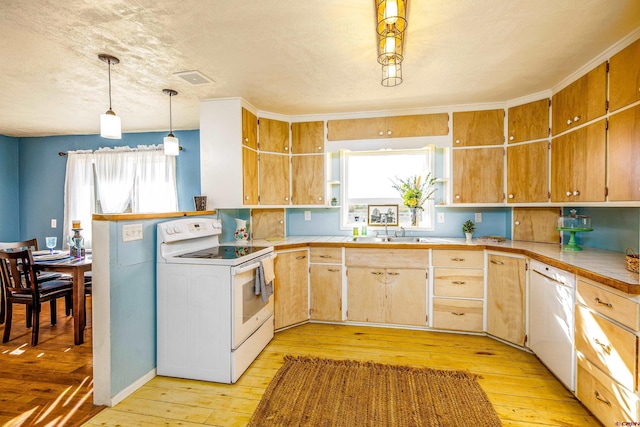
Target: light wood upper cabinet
pixel 578 165
pixel 472 128
pixel 527 172
pixel 624 77
pixel 307 137
pixel 291 290
pixel 308 181
pixel 249 176
pixel 623 156
pixel 528 122
pixel 583 100
pixel 388 127
pixel 506 283
pixel 274 179
pixel 267 223
pixel 249 129
pixel 478 175
pixel 274 135
pixel 536 224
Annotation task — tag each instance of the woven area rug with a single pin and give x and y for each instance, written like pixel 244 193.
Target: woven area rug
pixel 321 392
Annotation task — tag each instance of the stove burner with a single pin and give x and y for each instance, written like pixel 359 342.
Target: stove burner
pixel 223 252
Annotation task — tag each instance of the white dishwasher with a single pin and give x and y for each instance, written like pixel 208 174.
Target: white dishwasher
pixel 552 295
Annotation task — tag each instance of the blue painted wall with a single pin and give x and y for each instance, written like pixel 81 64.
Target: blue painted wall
pixel 42 172
pixel 9 190
pixel 614 229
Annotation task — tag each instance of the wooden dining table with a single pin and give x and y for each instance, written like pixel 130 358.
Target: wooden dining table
pixel 76 267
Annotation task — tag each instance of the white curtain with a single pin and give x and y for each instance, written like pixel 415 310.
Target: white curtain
pixel 115 173
pixel 79 194
pixel 155 186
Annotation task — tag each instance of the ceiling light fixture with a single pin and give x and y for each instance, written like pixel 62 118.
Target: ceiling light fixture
pixel 171 143
pixel 391 23
pixel 110 126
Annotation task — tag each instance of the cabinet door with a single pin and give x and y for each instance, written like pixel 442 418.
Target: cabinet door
pixel 274 135
pixel 326 292
pixel 583 100
pixel 366 294
pixel 307 183
pixel 267 223
pixel 342 130
pixel 471 128
pixel 623 157
pixel 291 289
pixel 478 175
pixel 458 282
pixel 417 125
pixel 406 297
pixel 624 77
pixel 307 137
pixel 506 281
pixel 578 165
pixel 249 176
pixel 274 179
pixel 457 314
pixel 528 122
pixel 527 172
pixel 536 224
pixel 249 129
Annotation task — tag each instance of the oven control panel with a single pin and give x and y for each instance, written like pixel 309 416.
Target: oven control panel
pixel 189 228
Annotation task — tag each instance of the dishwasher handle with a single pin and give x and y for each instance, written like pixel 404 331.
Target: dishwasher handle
pixel 553 279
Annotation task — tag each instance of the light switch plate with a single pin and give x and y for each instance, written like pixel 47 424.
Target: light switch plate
pixel 54 223
pixel 478 216
pixel 307 215
pixel 440 217
pixel 131 232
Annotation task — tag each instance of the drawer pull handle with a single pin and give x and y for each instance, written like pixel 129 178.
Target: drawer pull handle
pixel 393 274
pixel 457 259
pixel 457 314
pixel 325 256
pixel 608 304
pixel 601 399
pixel 377 273
pixel 333 270
pixel 301 257
pixel 605 347
pixel 497 262
pixel 458 282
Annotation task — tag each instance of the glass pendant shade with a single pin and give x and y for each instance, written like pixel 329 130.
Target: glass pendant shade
pixel 391 16
pixel 391 74
pixel 110 126
pixel 171 145
pixel 390 48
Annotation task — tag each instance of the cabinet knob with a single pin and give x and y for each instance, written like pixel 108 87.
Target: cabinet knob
pixel 319 148
pixel 517 222
pixel 381 133
pixel 286 199
pixel 286 148
pixel 511 196
pixel 457 197
pixel 246 139
pixel 576 118
pixel 576 193
pixel 389 132
pixel 457 141
pixel 511 138
pixel 319 198
pixel 281 222
pixel 569 193
pixel 569 122
pixel 246 197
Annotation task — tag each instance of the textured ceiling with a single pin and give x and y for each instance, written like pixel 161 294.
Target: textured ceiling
pixel 287 56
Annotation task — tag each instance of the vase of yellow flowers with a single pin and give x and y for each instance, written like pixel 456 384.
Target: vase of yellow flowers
pixel 415 191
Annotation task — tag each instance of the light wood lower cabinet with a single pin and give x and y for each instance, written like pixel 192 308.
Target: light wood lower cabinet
pixel 291 288
pixel 506 284
pixel 325 301
pixel 457 314
pixel 379 295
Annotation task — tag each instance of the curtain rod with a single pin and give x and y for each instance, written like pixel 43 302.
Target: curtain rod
pixel 64 153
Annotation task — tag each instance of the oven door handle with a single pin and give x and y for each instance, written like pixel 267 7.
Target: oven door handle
pixel 240 270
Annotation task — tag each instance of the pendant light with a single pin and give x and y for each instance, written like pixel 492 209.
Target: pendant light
pixel 110 126
pixel 171 143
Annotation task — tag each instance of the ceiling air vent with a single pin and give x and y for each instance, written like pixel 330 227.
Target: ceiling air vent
pixel 194 77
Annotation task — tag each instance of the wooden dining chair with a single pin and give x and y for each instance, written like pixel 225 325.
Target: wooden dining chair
pixel 19 280
pixel 42 275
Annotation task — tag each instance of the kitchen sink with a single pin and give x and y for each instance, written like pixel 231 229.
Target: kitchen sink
pixel 404 239
pixel 368 239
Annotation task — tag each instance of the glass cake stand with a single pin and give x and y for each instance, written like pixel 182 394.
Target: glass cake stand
pixel 573 224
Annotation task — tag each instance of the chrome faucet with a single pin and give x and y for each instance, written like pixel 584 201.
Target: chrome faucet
pixel 384 221
pixel 402 228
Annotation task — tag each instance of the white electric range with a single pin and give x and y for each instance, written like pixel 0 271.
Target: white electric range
pixel 210 323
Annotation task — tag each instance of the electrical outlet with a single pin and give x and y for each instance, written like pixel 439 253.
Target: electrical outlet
pixel 440 217
pixel 131 232
pixel 54 223
pixel 478 216
pixel 307 215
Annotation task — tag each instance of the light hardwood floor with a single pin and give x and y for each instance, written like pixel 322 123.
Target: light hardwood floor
pixel 522 390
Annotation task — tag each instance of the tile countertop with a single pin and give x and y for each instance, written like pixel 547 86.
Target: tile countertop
pixel 606 267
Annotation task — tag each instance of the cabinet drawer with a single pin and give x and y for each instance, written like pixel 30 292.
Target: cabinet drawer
pixel 607 400
pixel 457 258
pixel 458 282
pixel 326 255
pixel 616 307
pixel 387 258
pixel 607 345
pixel 457 314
